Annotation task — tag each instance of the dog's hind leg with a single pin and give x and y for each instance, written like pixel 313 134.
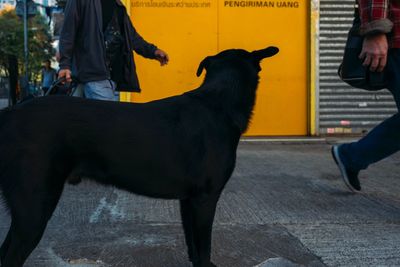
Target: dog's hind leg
pixel 31 207
pixel 5 245
pixel 27 227
pixel 203 211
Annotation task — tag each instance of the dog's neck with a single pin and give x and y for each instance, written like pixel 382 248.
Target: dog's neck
pixel 231 92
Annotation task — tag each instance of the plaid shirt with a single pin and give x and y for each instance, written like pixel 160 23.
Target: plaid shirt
pixel 381 16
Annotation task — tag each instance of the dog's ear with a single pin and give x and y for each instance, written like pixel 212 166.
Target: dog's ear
pixel 203 65
pixel 263 53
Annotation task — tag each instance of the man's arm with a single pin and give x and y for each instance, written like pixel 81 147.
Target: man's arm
pixel 375 24
pixel 146 49
pixel 374 16
pixel 68 37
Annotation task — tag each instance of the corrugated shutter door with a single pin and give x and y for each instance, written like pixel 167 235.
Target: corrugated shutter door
pixel 343 109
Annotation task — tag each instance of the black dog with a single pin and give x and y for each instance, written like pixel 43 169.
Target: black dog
pixel 182 147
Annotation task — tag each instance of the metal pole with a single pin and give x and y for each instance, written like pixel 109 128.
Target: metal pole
pixel 26 51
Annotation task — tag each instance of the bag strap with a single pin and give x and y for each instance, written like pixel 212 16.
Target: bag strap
pixel 356 19
pixel 356 10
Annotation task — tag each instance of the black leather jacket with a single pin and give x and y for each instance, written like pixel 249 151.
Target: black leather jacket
pixel 82 42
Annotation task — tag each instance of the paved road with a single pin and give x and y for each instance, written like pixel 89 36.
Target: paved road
pixel 284 206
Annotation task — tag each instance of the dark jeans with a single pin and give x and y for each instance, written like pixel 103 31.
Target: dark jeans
pixel 384 139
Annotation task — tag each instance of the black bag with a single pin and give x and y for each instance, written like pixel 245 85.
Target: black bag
pixel 351 70
pixel 113 40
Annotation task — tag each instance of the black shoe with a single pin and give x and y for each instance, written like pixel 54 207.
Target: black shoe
pixel 350 178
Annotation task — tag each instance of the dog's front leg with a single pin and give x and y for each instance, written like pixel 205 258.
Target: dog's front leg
pixel 203 210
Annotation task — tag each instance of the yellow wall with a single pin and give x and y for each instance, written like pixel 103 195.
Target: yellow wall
pixel 189 30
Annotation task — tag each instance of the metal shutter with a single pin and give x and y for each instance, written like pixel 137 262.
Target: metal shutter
pixel 343 109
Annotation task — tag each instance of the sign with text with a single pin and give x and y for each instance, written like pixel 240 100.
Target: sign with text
pixel 270 4
pixel 171 4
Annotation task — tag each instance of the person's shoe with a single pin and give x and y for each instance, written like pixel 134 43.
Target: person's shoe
pixel 350 178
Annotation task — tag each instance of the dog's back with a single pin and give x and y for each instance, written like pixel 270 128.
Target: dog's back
pixel 164 142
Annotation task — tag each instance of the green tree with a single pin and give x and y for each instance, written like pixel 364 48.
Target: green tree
pixel 12 46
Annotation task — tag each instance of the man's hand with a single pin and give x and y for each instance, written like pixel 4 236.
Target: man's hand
pixel 374 52
pixel 162 57
pixel 65 73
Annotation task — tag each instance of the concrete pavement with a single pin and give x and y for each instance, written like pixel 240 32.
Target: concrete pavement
pixel 284 206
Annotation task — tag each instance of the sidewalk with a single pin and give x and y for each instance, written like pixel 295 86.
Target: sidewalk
pixel 285 206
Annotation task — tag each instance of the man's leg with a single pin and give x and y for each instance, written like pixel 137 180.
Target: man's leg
pixel 101 90
pixel 379 143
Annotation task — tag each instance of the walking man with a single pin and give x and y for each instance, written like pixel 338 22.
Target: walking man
pixel 97 40
pixel 381 49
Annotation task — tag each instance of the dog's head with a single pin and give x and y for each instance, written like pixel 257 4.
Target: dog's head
pixel 237 55
pixel 232 80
